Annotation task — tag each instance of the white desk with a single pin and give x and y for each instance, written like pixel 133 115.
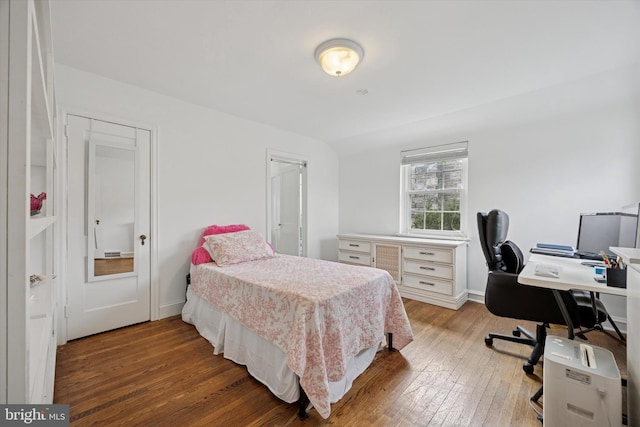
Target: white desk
pixel 574 275
pixel 631 257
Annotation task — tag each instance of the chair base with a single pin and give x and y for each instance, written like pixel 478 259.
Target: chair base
pixel 537 342
pixel 598 327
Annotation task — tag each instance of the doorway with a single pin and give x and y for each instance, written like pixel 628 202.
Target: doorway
pixel 108 225
pixel 287 201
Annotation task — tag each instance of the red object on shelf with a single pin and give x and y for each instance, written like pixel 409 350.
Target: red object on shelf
pixel 36 202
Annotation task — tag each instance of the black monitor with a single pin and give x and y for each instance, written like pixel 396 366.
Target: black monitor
pixel 599 231
pixel 635 210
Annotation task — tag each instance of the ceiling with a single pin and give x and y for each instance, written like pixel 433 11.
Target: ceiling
pixel 423 59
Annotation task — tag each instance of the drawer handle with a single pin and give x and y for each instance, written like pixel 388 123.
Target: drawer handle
pixel 426 283
pixel 427 268
pixel 354 245
pixel 427 253
pixel 354 257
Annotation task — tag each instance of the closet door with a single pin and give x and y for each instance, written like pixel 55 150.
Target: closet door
pixel 108 226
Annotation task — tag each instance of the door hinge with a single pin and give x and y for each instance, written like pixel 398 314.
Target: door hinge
pixel 66 313
pixel 66 130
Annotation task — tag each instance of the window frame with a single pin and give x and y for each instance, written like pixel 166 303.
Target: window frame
pixel 444 152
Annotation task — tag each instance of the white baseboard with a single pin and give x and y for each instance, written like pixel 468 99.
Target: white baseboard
pixel 476 296
pixel 169 310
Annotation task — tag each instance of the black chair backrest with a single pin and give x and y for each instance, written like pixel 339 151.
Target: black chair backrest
pixel 500 253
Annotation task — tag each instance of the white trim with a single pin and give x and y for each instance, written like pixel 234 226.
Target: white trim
pixel 169 310
pixel 154 271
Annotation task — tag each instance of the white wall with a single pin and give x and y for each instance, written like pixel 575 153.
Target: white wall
pixel 211 170
pixel 543 157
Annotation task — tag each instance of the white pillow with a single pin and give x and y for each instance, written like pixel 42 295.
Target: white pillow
pixel 234 248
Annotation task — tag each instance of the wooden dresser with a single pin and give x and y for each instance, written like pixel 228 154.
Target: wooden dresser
pixel 427 270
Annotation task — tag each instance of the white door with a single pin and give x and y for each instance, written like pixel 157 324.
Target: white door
pixel 287 207
pixel 108 258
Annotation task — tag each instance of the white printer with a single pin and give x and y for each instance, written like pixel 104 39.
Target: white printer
pixel 582 385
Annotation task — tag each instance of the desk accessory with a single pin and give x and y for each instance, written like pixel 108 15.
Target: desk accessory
pixel 616 277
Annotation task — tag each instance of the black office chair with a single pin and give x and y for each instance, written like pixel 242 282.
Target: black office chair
pixel 505 297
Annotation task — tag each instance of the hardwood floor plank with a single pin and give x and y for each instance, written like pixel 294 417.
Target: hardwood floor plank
pixel 164 373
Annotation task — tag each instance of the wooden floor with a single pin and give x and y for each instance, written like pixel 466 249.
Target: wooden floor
pixel 163 373
pixel 102 267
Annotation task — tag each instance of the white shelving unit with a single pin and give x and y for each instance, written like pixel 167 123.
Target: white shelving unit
pixel 28 332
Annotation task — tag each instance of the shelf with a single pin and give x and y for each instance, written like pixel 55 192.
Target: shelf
pixel 40 223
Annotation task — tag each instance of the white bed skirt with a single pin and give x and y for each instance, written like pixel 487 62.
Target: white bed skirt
pixel 264 361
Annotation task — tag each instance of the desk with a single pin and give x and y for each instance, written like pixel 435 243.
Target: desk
pixel 574 275
pixel 631 257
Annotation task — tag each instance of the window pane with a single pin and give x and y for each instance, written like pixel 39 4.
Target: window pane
pixel 418 201
pixel 433 202
pixel 448 165
pixel 451 221
pixel 434 181
pixel 453 179
pixel 451 201
pixel 433 221
pixel 417 220
pixel 418 182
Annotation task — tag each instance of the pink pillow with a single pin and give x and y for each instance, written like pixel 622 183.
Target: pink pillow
pixel 234 248
pixel 200 255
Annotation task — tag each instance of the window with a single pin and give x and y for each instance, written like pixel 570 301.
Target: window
pixel 434 194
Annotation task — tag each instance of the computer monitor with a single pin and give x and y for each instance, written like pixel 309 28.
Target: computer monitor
pixel 599 231
pixel 634 209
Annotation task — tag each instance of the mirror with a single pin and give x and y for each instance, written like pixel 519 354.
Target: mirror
pixel 286 222
pixel 110 210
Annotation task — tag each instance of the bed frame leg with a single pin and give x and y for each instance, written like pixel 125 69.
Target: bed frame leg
pixel 303 402
pixel 390 342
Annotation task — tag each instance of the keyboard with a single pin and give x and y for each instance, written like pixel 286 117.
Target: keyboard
pixel 589 255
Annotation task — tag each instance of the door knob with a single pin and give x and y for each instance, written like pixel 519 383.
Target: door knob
pixel 142 239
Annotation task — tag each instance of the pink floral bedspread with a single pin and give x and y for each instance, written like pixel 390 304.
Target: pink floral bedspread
pixel 319 313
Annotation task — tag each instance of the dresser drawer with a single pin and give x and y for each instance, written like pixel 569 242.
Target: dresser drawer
pixel 442 271
pixel 355 246
pixel 355 258
pixel 429 254
pixel 428 284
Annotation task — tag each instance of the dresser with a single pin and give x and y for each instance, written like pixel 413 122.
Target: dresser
pixel 427 270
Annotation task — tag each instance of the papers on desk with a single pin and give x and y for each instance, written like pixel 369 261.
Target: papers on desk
pixel 548 270
pixel 554 250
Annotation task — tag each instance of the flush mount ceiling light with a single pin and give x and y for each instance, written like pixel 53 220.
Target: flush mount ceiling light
pixel 339 57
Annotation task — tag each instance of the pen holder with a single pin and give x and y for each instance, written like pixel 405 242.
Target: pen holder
pixel 617 278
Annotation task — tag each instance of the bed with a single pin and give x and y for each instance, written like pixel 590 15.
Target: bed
pixel 305 328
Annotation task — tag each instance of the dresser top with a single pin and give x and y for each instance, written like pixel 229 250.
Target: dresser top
pixel 403 239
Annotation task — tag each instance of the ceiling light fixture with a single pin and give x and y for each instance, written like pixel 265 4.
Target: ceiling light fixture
pixel 339 57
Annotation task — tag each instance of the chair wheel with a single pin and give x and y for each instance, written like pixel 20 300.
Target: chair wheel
pixel 488 341
pixel 516 332
pixel 527 368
